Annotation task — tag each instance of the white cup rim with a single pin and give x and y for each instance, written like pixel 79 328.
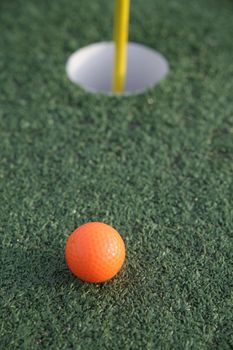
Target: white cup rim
pixel 91 68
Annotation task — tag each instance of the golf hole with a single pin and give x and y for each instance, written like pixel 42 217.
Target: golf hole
pixel 92 68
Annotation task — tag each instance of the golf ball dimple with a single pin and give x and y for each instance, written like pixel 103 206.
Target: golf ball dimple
pixel 95 252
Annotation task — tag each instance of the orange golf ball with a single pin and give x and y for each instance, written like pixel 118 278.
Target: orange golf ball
pixel 95 252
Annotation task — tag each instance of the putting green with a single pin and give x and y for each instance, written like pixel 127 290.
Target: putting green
pixel 158 167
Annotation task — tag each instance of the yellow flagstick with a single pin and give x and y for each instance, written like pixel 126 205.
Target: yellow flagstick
pixel 121 29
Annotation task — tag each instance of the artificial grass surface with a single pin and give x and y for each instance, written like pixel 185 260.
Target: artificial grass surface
pixel 158 167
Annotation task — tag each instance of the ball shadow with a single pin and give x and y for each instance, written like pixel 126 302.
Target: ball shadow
pixel 25 269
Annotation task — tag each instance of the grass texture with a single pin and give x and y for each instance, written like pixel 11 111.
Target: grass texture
pixel 158 167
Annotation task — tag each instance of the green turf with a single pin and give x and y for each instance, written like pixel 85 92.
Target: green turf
pixel 158 167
